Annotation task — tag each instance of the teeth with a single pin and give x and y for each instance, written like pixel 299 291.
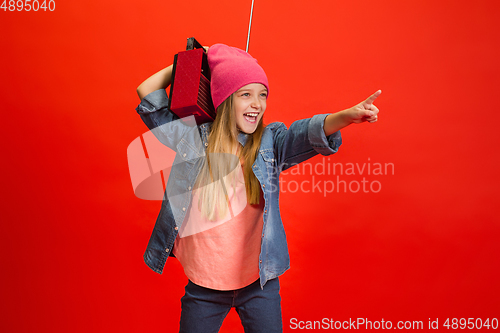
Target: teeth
pixel 251 114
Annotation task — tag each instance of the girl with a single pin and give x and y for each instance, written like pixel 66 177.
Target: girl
pixel 220 215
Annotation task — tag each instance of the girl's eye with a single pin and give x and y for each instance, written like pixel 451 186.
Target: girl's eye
pixel 245 94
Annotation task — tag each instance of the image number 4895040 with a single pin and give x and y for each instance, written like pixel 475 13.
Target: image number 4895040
pixel 28 5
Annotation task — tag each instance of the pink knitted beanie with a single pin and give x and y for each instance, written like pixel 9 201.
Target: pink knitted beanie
pixel 231 69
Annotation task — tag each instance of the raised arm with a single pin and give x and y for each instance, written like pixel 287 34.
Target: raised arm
pixel 364 111
pixel 159 80
pixel 154 111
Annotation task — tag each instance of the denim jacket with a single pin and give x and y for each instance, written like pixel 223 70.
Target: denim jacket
pixel 280 149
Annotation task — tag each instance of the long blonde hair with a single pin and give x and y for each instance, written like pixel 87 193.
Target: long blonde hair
pixel 222 154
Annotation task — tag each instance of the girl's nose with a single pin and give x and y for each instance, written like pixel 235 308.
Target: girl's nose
pixel 256 103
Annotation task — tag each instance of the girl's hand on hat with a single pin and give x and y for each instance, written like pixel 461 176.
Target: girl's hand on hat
pixel 365 111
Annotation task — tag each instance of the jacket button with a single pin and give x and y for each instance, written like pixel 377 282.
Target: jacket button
pixel 264 185
pixel 189 188
pixel 265 211
pixel 166 250
pixel 206 144
pixel 176 228
pixel 184 154
pixel 183 209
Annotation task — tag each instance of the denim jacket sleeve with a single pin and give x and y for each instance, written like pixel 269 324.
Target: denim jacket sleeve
pixel 304 139
pixel 164 124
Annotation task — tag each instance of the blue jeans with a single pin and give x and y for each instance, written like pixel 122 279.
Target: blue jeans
pixel 204 310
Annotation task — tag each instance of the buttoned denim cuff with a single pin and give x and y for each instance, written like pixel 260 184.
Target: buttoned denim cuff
pixel 153 102
pixel 317 138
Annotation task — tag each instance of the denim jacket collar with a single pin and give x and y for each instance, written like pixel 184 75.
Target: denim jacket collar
pixel 242 137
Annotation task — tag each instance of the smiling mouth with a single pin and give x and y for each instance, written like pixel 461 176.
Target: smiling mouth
pixel 251 117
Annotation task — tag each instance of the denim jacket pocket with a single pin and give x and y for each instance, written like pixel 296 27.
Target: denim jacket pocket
pixel 268 155
pixel 270 162
pixel 186 158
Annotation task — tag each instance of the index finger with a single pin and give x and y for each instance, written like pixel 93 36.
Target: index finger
pixel 373 97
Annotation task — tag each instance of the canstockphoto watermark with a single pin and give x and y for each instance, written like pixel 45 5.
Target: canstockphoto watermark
pixel 339 176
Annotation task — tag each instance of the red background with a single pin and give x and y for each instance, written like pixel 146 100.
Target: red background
pixel 425 246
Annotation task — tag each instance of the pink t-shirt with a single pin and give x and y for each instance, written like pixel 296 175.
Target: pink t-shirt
pixel 222 255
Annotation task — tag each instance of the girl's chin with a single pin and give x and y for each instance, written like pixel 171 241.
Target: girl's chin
pixel 247 129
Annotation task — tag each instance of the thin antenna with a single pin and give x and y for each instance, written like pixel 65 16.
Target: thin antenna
pixel 249 26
